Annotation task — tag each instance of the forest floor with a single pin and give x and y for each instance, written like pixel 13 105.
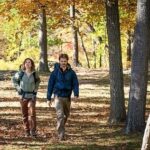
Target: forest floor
pixel 87 127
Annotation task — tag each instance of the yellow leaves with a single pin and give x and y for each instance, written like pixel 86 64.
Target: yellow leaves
pixel 43 1
pixel 89 10
pixel 25 7
pixel 127 17
pixel 25 23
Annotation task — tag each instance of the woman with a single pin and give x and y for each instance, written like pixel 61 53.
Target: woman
pixel 26 82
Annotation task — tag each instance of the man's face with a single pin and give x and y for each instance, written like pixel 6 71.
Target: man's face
pixel 63 62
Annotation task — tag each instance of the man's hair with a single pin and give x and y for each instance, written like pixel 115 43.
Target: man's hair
pixel 63 56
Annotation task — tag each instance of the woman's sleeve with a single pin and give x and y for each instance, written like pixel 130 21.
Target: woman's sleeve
pixel 15 80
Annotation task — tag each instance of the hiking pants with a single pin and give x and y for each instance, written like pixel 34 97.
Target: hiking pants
pixel 62 106
pixel 28 114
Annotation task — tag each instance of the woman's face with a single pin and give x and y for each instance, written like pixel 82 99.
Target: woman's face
pixel 28 64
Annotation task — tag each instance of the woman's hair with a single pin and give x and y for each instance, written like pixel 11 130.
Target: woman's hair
pixel 63 56
pixel 32 64
pixel 20 67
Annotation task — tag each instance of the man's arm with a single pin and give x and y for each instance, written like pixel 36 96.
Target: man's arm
pixel 75 85
pixel 51 84
pixel 37 83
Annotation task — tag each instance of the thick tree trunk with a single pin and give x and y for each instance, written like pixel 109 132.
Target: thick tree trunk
pixel 117 108
pixel 74 36
pixel 43 65
pixel 139 69
pixel 84 49
pixel 146 137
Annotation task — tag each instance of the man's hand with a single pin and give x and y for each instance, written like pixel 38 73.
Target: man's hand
pixel 49 103
pixel 75 98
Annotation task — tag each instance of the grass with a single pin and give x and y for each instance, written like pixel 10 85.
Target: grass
pixel 86 129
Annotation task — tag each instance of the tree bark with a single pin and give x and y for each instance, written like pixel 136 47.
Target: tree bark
pixel 43 65
pixel 74 36
pixel 139 69
pixel 117 108
pixel 146 137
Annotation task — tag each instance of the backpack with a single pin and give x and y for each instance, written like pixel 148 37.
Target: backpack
pixel 21 74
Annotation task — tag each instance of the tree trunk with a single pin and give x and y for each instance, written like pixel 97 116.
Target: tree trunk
pixel 128 49
pixel 146 137
pixel 84 49
pixel 43 65
pixel 139 69
pixel 75 36
pixel 117 108
pixel 129 46
pixel 20 43
pixel 94 52
pixel 100 60
pixel 92 29
pixel 97 39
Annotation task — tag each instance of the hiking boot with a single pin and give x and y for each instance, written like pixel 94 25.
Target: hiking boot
pixel 33 133
pixel 27 134
pixel 62 138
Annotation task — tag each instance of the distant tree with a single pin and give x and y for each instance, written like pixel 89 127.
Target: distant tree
pixel 84 49
pixel 74 34
pixel 129 47
pixel 117 108
pixel 139 69
pixel 43 64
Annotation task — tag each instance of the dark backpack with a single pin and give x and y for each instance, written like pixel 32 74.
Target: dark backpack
pixel 21 74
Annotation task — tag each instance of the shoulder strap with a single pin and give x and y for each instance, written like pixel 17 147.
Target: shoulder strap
pixel 35 79
pixel 21 73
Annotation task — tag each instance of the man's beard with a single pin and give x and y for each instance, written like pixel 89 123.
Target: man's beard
pixel 63 65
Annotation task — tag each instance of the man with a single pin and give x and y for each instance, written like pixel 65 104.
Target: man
pixel 62 82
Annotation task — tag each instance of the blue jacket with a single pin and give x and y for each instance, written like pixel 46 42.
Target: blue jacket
pixel 62 83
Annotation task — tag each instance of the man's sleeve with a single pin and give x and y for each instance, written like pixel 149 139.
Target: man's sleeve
pixel 51 84
pixel 38 80
pixel 75 85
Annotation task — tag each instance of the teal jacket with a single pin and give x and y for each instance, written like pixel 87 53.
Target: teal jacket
pixel 26 86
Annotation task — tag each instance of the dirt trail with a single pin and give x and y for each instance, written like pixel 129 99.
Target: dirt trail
pixel 87 126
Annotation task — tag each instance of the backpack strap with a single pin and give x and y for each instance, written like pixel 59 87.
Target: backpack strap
pixel 35 79
pixel 21 73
